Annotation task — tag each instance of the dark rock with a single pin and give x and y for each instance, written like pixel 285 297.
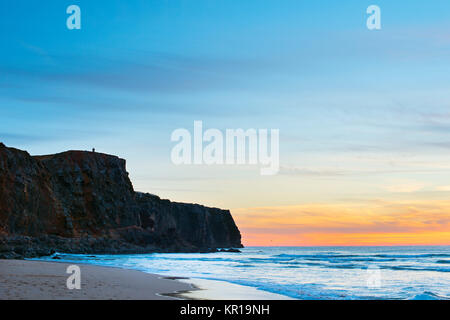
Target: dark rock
pixel 230 250
pixel 10 255
pixel 84 202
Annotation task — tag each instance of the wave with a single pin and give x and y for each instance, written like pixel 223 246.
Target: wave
pixel 410 268
pixel 319 256
pixel 428 296
pixel 245 266
pixel 414 256
pixel 298 291
pixel 358 256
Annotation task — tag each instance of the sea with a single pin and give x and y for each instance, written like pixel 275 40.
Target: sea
pixel 313 273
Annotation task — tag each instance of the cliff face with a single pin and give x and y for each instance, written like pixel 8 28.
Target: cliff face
pixel 197 225
pixel 84 202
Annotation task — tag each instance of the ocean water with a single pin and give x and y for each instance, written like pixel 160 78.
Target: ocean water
pixel 306 272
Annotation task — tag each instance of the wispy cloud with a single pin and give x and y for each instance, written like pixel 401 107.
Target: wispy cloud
pixel 160 73
pixel 406 187
pixel 423 167
pixel 13 138
pixel 370 222
pixel 297 171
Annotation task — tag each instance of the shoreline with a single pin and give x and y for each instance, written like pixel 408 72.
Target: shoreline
pixel 46 280
pixel 204 289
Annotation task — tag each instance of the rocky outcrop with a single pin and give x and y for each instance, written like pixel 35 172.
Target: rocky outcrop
pixel 84 202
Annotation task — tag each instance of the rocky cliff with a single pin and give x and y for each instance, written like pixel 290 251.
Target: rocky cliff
pixel 84 202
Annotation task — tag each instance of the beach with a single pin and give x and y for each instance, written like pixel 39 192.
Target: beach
pixel 43 280
pixel 25 280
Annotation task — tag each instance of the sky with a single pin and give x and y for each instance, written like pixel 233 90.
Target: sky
pixel 364 116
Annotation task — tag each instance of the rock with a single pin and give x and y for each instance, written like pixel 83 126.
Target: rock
pixel 10 255
pixel 230 250
pixel 84 202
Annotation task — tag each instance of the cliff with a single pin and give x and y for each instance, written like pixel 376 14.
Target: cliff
pixel 84 202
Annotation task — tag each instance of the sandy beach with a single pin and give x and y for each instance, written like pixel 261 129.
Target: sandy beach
pixel 21 279
pixel 42 280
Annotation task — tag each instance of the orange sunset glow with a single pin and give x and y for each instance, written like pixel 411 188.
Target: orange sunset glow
pixel 371 223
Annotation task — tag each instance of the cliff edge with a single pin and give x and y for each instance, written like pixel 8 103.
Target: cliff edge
pixel 84 202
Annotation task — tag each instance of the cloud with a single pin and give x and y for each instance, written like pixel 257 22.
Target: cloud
pixel 352 223
pixel 443 145
pixel 153 72
pixel 405 188
pixel 20 138
pixel 294 171
pixel 14 139
pixel 299 171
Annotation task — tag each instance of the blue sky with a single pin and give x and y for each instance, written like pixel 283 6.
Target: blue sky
pixel 361 113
